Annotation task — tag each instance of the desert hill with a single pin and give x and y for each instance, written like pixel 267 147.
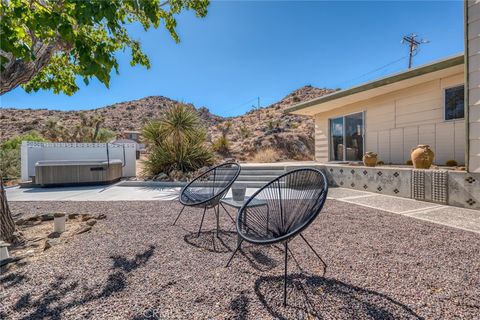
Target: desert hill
pixel 269 127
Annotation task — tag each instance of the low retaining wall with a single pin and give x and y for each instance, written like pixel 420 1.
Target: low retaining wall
pixel 456 188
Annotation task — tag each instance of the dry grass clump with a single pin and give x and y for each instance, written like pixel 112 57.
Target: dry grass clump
pixel 266 155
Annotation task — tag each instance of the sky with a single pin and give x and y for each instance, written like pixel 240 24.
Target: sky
pixel 248 49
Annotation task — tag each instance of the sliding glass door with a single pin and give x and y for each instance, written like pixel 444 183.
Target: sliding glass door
pixel 346 138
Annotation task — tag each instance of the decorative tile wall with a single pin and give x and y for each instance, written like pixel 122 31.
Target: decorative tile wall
pixel 464 189
pixel 457 188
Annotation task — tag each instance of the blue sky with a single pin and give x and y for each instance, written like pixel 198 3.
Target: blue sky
pixel 249 49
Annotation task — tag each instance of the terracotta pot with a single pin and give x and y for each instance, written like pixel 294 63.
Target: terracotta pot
pixel 370 159
pixel 422 156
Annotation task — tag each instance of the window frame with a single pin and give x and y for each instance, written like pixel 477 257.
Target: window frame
pixel 444 108
pixel 343 116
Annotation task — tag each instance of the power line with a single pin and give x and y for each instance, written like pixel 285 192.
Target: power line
pixel 372 71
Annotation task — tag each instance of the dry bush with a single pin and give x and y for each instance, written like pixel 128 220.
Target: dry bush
pixel 266 155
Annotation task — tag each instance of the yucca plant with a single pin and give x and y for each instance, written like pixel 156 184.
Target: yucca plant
pixel 176 141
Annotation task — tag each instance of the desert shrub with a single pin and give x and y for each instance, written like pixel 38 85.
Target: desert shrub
pixel 221 145
pixel 380 163
pixel 272 124
pixel 294 125
pixel 176 141
pixel 105 135
pixel 296 99
pixel 266 155
pixel 451 163
pixel 10 154
pixel 10 164
pixel 409 162
pixel 244 132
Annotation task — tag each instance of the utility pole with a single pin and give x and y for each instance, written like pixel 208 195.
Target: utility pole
pixel 413 44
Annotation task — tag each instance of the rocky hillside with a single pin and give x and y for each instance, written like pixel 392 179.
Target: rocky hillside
pixel 290 135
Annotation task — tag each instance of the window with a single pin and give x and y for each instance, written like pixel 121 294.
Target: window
pixel 346 138
pixel 454 99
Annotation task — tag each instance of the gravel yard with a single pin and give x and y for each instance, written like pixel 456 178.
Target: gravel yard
pixel 135 265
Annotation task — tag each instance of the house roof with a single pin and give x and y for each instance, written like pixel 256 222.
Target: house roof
pixel 305 108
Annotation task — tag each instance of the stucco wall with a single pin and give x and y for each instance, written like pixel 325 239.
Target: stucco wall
pixel 473 43
pixel 398 121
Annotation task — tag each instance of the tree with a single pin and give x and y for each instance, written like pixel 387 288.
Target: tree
pixel 48 44
pixel 176 142
pixel 8 231
pixel 88 129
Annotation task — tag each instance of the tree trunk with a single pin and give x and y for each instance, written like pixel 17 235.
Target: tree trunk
pixel 8 230
pixel 18 71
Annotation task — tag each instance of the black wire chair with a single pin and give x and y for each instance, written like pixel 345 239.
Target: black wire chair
pixel 281 210
pixel 206 190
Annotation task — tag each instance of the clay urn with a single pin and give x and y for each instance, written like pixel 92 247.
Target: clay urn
pixel 370 159
pixel 422 156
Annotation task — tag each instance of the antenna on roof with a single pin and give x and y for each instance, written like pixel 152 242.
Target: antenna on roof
pixel 413 44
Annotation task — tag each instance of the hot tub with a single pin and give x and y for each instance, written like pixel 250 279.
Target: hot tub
pixel 73 172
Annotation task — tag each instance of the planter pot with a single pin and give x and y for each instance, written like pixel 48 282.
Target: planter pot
pixel 370 159
pixel 422 156
pixel 238 193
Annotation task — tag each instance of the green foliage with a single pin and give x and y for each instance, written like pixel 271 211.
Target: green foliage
pixel 9 164
pixel 244 132
pixel 82 36
pixel 451 163
pixel 221 145
pixel 15 142
pixel 176 141
pixel 10 154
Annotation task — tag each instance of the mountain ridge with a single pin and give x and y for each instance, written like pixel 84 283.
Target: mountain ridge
pixel 267 127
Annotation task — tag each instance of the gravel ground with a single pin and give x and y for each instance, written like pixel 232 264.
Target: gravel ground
pixel 135 265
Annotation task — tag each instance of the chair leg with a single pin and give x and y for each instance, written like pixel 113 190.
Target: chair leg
pixel 227 212
pixel 178 215
pixel 201 222
pixel 234 252
pixel 217 214
pixel 315 252
pixel 285 277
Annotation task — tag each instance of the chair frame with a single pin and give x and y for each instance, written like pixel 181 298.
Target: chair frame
pixel 289 236
pixel 212 202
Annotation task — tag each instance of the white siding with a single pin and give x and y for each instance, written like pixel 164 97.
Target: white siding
pixel 398 121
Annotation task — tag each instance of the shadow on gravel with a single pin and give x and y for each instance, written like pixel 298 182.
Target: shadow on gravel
pixel 52 302
pixel 208 241
pixel 239 306
pixel 318 297
pixel 12 280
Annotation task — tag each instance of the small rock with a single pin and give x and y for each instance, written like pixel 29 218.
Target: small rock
pixel 32 219
pixel 59 214
pixel 54 235
pixel 72 215
pixel 20 222
pixel 101 216
pixel 83 229
pixel 86 217
pixel 161 177
pixel 50 243
pixel 91 222
pixel 47 217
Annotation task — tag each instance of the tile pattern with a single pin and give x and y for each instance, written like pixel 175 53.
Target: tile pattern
pixel 439 186
pixel 418 184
